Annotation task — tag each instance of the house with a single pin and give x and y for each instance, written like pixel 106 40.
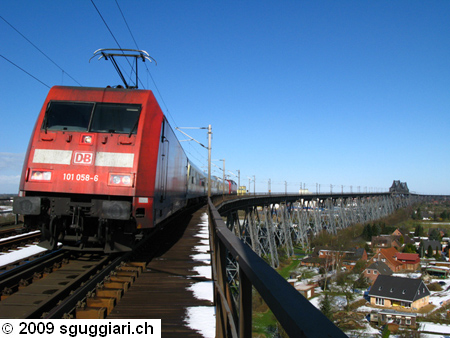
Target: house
pixel 353 256
pixel 330 258
pixel 385 241
pixel 388 256
pixel 307 290
pixel 435 246
pixel 440 269
pixel 376 269
pixel 402 319
pixel 410 261
pixel 406 239
pixel 312 262
pixel 390 291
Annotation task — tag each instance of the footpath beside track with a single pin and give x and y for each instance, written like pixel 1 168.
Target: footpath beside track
pixel 162 291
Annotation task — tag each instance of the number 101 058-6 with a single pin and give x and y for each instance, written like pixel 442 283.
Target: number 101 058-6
pixel 80 177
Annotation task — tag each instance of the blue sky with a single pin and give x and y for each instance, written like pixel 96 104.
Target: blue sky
pixel 345 94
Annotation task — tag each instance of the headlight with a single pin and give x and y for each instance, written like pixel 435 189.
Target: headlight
pixel 37 175
pixel 121 180
pixel 86 139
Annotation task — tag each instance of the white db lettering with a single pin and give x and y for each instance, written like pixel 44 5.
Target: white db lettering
pixel 83 158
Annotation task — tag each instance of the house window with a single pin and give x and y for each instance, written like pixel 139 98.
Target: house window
pixel 379 301
pixel 383 260
pixel 406 304
pixel 375 272
pixel 408 321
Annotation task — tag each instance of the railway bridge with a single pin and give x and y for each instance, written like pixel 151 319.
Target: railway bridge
pixel 245 229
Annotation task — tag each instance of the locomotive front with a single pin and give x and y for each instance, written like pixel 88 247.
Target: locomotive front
pixel 79 180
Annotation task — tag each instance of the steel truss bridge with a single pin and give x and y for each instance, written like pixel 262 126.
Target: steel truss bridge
pixel 245 229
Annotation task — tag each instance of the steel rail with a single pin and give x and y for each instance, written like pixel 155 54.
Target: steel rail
pixel 10 278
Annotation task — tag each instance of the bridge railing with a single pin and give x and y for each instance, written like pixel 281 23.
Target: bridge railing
pixel 297 316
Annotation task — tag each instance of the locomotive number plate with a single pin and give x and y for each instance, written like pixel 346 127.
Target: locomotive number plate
pixel 80 177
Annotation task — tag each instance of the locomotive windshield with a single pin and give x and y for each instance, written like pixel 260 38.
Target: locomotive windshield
pixel 92 117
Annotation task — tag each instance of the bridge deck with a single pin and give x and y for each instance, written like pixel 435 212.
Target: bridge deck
pixel 161 292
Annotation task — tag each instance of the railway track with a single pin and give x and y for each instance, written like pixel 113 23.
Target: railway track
pixel 12 229
pixel 66 285
pixel 19 240
pixel 63 284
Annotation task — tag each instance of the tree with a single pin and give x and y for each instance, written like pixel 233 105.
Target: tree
pixel 345 286
pixel 409 248
pixel 421 250
pixel 361 283
pixel 429 251
pixel 385 333
pixel 359 266
pixel 325 306
pixel 367 232
pixel 418 230
pixel 434 235
pixel 376 230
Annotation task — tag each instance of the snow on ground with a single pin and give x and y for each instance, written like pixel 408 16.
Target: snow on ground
pixel 202 318
pixel 202 257
pixel 18 255
pixel 19 235
pixel 412 275
pixel 439 329
pixel 203 271
pixel 203 290
pixel 438 298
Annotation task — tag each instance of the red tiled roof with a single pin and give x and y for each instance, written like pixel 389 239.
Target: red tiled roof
pixel 408 257
pixel 389 254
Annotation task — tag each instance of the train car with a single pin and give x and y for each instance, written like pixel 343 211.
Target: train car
pixel 196 183
pixel 232 187
pixel 103 166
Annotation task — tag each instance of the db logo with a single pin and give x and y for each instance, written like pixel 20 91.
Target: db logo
pixel 83 158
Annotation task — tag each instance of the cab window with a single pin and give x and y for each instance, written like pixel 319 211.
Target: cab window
pixel 92 117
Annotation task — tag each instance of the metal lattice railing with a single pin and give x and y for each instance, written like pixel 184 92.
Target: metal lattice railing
pixel 297 316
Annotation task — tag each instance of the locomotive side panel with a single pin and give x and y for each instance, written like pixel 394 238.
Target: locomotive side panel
pixel 149 156
pixel 171 175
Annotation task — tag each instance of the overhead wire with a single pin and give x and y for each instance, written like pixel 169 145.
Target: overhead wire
pixel 148 71
pixel 23 70
pixel 39 51
pixel 112 34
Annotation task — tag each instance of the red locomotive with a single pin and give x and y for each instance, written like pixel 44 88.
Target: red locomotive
pixel 102 167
